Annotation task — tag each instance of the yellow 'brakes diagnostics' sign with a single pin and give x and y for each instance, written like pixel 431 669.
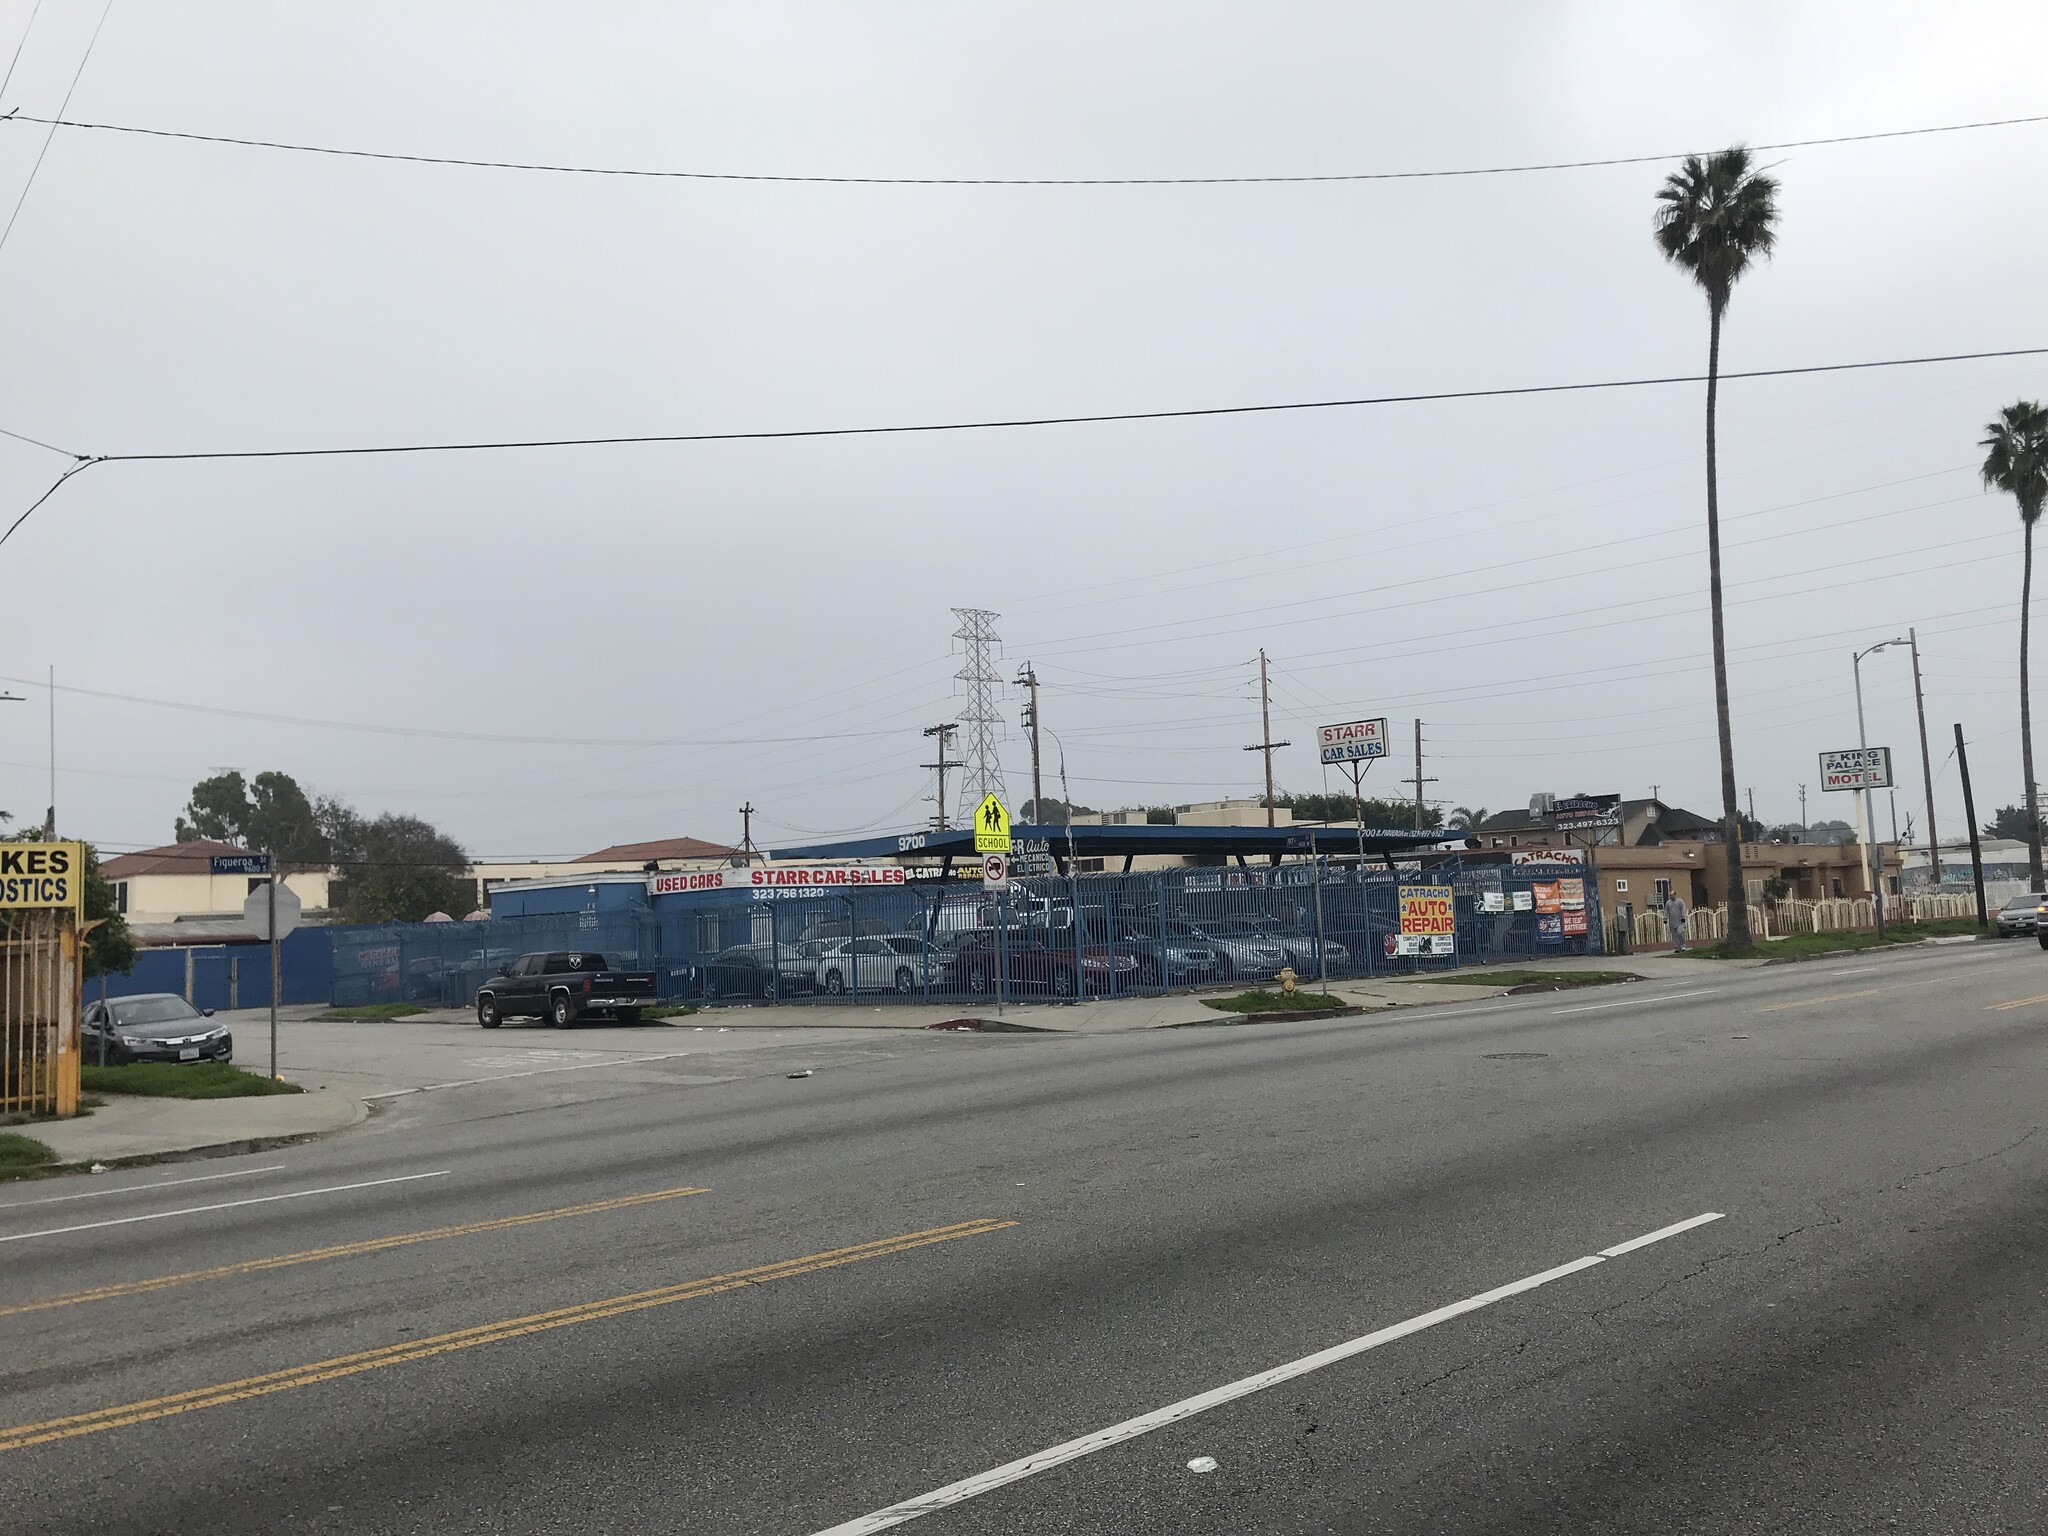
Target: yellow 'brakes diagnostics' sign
pixel 42 875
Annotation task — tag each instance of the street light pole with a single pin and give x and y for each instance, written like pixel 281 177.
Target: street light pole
pixel 1873 869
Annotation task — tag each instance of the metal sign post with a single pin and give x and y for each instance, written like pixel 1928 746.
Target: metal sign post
pixel 1315 869
pixel 1357 745
pixel 271 913
pixel 1862 769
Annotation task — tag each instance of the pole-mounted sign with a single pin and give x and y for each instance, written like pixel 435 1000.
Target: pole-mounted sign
pixel 238 864
pixel 1857 768
pixel 1352 742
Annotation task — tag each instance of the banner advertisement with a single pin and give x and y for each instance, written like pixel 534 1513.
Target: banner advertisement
pixel 1572 856
pixel 1574 922
pixel 776 877
pixel 1549 897
pixel 1571 895
pixel 1524 902
pixel 1550 928
pixel 1442 944
pixel 1492 901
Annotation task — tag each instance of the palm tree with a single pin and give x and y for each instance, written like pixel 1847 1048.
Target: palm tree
pixel 1714 217
pixel 1467 818
pixel 2016 461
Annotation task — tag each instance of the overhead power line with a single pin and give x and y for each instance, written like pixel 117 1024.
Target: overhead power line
pixel 84 461
pixel 342 152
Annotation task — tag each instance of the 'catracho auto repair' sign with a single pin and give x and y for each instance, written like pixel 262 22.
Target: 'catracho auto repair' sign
pixel 1429 921
pixel 42 875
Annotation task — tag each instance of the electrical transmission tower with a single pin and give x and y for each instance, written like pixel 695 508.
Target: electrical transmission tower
pixel 981 722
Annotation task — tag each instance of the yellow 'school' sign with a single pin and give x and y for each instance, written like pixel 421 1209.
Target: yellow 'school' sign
pixel 991 826
pixel 42 875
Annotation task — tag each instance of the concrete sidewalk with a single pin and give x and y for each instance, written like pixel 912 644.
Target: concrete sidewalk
pixel 129 1125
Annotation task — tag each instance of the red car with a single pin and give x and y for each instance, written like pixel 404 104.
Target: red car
pixel 1040 960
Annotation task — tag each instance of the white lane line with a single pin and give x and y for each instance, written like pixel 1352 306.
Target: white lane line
pixel 499 1077
pixel 225 1205
pixel 1659 1235
pixel 141 1189
pixel 1630 1002
pixel 1861 970
pixel 1188 1407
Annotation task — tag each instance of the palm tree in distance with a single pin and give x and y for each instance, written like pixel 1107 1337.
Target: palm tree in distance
pixel 2016 462
pixel 1714 217
pixel 1466 818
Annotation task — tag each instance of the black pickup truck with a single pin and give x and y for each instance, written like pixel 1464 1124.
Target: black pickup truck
pixel 563 986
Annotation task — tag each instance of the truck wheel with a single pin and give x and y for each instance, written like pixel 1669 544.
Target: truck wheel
pixel 835 983
pixel 978 982
pixel 2044 940
pixel 487 1011
pixel 1226 968
pixel 906 980
pixel 559 1012
pixel 1063 983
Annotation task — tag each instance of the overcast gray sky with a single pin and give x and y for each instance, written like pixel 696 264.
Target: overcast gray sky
pixel 1525 575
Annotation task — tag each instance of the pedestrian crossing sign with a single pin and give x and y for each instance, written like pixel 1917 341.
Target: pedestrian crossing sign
pixel 991 826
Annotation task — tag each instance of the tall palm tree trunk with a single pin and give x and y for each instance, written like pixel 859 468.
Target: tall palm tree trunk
pixel 2027 720
pixel 1731 812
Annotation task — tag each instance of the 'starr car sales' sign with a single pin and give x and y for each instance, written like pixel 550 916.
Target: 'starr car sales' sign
pixel 1857 768
pixel 1354 741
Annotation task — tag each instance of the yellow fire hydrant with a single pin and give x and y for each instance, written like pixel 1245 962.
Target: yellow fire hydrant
pixel 1286 978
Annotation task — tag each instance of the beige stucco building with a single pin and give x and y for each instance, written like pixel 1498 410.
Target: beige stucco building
pixel 173 884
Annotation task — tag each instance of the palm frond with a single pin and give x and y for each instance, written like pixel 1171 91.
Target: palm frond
pixel 2016 456
pixel 1715 217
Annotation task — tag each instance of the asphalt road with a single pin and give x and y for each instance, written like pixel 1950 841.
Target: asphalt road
pixel 502 1308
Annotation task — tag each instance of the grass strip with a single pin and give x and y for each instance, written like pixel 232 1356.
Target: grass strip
pixel 183 1080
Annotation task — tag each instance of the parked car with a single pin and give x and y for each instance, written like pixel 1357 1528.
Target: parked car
pixel 153 1026
pixel 1241 949
pixel 2020 915
pixel 761 970
pixel 1183 958
pixel 1299 946
pixel 891 962
pixel 563 986
pixel 1041 959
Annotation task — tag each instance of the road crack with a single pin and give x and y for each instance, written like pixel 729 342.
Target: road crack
pixel 2011 1146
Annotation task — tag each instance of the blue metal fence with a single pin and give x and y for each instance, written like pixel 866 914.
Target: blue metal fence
pixel 1050 937
pixel 1097 935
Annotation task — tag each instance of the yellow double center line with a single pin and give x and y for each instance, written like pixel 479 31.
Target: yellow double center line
pixel 22 1435
pixel 342 1251
pixel 2018 1002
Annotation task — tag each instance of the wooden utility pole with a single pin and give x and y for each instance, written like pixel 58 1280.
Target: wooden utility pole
pixel 945 734
pixel 1419 780
pixel 1027 677
pixel 1970 810
pixel 1926 763
pixel 1266 743
pixel 746 834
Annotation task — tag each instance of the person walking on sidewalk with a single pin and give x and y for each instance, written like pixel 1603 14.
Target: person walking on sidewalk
pixel 1674 919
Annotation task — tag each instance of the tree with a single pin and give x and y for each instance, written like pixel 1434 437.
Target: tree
pixel 219 809
pixel 1785 832
pixel 1468 819
pixel 281 821
pixel 1715 217
pixel 397 869
pixel 110 947
pixel 271 815
pixel 1342 808
pixel 2016 462
pixel 1050 812
pixel 2011 824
